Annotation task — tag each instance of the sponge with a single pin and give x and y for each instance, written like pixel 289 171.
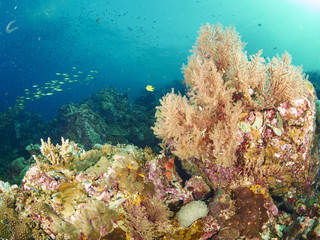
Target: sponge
pixel 191 212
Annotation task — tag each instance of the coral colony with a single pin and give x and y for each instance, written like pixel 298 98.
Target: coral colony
pixel 239 161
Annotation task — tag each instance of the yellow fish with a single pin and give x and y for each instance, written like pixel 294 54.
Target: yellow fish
pixel 150 88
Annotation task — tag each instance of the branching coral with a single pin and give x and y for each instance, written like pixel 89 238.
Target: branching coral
pixel 57 157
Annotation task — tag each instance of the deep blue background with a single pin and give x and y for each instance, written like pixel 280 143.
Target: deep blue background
pixel 135 43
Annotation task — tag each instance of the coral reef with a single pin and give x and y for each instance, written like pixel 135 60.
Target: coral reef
pixel 123 192
pixel 25 127
pixel 80 122
pixel 107 116
pixel 250 215
pixel 242 147
pixel 109 192
pixel 242 121
pixel 314 77
pixel 65 195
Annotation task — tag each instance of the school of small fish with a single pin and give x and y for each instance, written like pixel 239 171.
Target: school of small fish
pixel 36 91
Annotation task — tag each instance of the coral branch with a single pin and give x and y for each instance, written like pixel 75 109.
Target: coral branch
pixel 57 157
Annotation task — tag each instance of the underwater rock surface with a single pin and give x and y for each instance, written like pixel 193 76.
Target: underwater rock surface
pixel 107 116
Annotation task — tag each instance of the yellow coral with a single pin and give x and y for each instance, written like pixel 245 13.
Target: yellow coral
pixel 71 193
pixel 257 189
pixel 134 199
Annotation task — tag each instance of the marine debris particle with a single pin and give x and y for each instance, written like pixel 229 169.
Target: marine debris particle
pixel 9 29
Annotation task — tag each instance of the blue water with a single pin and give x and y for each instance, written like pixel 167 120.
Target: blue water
pixel 132 44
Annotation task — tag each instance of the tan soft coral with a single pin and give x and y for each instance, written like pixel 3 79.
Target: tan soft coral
pixel 214 124
pixel 210 111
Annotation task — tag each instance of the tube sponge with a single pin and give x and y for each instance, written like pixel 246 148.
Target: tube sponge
pixel 191 212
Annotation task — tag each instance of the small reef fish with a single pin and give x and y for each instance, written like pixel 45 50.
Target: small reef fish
pixel 61 175
pixel 32 187
pixel 150 88
pixel 81 162
pixel 55 194
pixel 35 92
